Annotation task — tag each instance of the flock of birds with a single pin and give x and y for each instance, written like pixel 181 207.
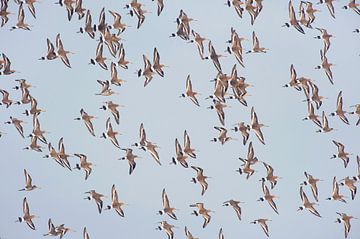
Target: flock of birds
pixel 226 87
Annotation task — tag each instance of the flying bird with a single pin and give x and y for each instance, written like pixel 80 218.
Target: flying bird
pixel 167 209
pixel 307 204
pixel 27 217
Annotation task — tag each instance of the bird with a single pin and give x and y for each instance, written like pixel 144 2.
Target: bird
pixel 246 168
pixel 235 205
pixel 151 148
pixel 310 180
pixel 356 111
pixel 219 90
pixel 237 6
pixel 311 115
pixel 182 31
pixel 115 80
pixel 79 9
pixel 256 126
pixel 122 62
pixel 268 197
pixel 199 43
pixel 28 183
pixel 7 66
pixel 263 223
pixel 68 6
pixel 52 231
pixel 244 130
pixel 62 154
pixel 61 52
pixel 117 24
pixel 111 134
pixel 33 107
pixel 140 14
pixel 20 22
pixel 307 204
pixel 160 6
pixel 18 125
pixel 222 138
pixel 219 107
pixel 102 25
pixel 147 72
pixel 250 158
pixel 189 235
pixel 89 27
pixel 84 164
pixel 85 234
pixel 344 218
pixel 310 11
pixel 256 45
pixel 294 82
pixel 167 209
pixel 292 19
pixel 201 210
pixel 252 10
pixel 115 203
pixel 270 175
pixel 329 5
pixel 27 217
pixel 130 157
pixel 51 54
pixel 33 144
pixel 341 154
pixel 339 109
pixel 221 234
pixel 357 178
pixel 4 13
pixel 63 230
pixel 87 121
pixel 157 66
pixel 353 5
pixel 214 57
pixel 315 95
pixel 97 198
pixel 326 38
pixel 326 66
pixel 5 99
pixel 164 225
pixel 236 48
pixel 99 58
pixel 180 157
pixel 201 179
pixel 142 136
pixel 54 154
pixel 350 184
pixel 325 124
pixel 335 193
pixel 105 88
pixel 187 147
pixel 22 85
pixel 190 93
pixel 112 107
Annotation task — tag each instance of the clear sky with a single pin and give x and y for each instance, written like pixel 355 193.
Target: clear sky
pixel 292 145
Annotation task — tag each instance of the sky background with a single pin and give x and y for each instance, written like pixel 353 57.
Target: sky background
pixel 292 146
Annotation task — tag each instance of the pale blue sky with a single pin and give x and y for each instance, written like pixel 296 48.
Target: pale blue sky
pixel 292 146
